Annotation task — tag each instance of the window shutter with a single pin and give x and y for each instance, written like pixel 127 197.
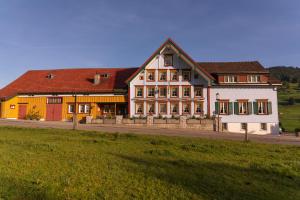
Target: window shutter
pixel 230 108
pixel 236 108
pixel 269 107
pixel 249 108
pixel 217 107
pixel 255 107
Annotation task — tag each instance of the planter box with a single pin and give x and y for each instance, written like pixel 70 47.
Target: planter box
pixel 172 121
pixel 159 121
pixel 128 121
pixel 97 121
pixel 140 121
pixel 109 121
pixel 193 121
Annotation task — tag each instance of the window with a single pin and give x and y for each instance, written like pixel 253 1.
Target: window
pixel 151 108
pixel 139 92
pixel 168 60
pixel 162 75
pixel 162 108
pixel 71 108
pixel 174 75
pixel 243 126
pixel 54 100
pixel 224 126
pixel 139 107
pixel 150 75
pixel 263 126
pixel 223 109
pixel 141 77
pixel 174 108
pixel 174 92
pixel 84 108
pixel 262 107
pixel 198 107
pixel 185 108
pixel 198 91
pixel 253 78
pixel 230 79
pixel 186 92
pixel 151 91
pixel 243 107
pixel 12 106
pixel 162 91
pixel 186 75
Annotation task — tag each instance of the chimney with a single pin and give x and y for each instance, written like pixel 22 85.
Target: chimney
pixel 97 78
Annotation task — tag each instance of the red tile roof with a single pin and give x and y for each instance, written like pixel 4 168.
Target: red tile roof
pixel 233 67
pixel 67 81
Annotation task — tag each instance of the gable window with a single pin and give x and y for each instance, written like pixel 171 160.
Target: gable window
pixel 186 75
pixel 198 91
pixel 253 78
pixel 186 108
pixel 223 108
pixel 186 91
pixel 174 108
pixel 151 92
pixel 243 107
pixel 162 75
pixel 174 75
pixel 139 108
pixel 230 79
pixel 162 91
pixel 84 108
pixel 151 108
pixel 141 77
pixel 198 107
pixel 139 91
pixel 174 92
pixel 162 108
pixel 150 75
pixel 71 108
pixel 168 60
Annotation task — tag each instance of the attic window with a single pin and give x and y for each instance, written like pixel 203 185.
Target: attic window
pixel 105 75
pixel 168 60
pixel 50 76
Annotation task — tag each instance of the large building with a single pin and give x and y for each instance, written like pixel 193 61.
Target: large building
pixel 169 84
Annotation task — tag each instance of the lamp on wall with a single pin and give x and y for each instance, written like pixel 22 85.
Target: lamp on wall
pixel 217 96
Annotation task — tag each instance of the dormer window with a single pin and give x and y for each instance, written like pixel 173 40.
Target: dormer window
pixel 230 79
pixel 168 60
pixel 253 78
pixel 105 75
pixel 50 76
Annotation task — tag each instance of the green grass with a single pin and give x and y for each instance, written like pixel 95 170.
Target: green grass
pixel 289 115
pixel 64 164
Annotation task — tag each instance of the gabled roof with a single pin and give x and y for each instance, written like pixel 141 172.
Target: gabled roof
pixel 67 81
pixel 233 67
pixel 169 41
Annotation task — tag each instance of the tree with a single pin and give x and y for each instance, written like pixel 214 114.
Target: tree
pixel 291 101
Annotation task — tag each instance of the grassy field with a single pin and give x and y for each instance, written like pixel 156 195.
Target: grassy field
pixel 289 114
pixel 62 164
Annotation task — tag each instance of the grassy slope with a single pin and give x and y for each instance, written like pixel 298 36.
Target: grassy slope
pixel 289 114
pixel 61 164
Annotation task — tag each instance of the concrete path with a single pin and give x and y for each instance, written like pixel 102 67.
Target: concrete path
pixel 274 139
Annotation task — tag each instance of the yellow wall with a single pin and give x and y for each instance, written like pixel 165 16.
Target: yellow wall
pixel 38 104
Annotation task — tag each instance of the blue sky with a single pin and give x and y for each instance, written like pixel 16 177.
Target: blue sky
pixel 43 34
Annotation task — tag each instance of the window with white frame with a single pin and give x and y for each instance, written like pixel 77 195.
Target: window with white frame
pixel 253 78
pixel 139 91
pixel 223 107
pixel 84 108
pixel 162 108
pixel 243 107
pixel 150 75
pixel 198 91
pixel 198 107
pixel 151 92
pixel 262 107
pixel 162 75
pixel 186 91
pixel 168 60
pixel 174 92
pixel 174 108
pixel 71 108
pixel 185 108
pixel 186 75
pixel 162 91
pixel 174 75
pixel 139 108
pixel 150 108
pixel 230 79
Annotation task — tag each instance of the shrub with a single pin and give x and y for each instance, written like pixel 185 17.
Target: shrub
pixel 33 115
pixel 291 101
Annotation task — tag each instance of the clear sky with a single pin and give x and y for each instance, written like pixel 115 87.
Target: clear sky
pixel 43 34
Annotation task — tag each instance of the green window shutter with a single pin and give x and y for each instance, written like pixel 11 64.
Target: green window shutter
pixel 217 107
pixel 249 108
pixel 269 107
pixel 230 108
pixel 255 107
pixel 236 108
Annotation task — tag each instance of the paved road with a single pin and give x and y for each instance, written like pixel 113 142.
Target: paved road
pixel 283 139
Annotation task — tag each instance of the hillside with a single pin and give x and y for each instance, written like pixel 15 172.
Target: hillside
pixel 288 74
